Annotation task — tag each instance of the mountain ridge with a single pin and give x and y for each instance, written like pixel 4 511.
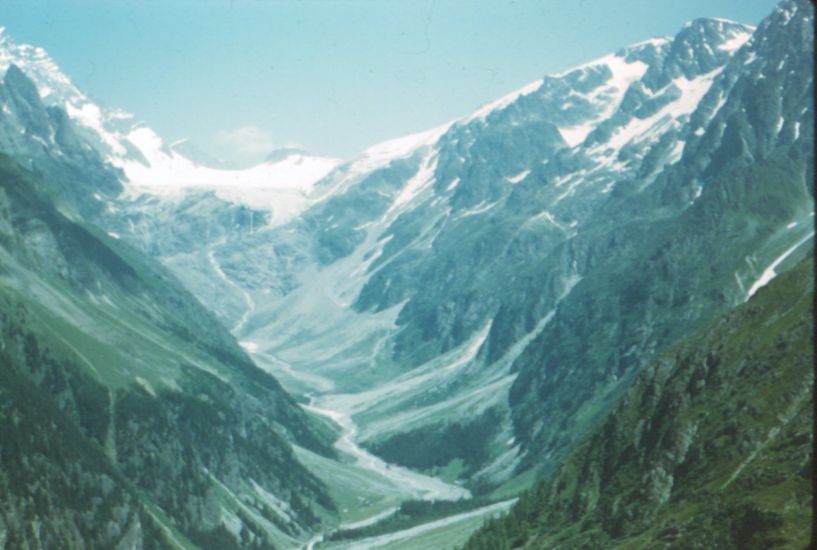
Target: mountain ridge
pixel 471 300
pixel 504 190
pixel 711 445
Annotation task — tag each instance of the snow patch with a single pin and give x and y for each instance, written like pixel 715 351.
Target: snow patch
pixel 519 177
pixel 478 209
pixel 623 75
pixel 770 272
pixel 735 42
pixel 421 181
pixel 152 168
pixel 546 215
pixel 677 151
pixel 89 115
pixel 283 188
pixel 657 42
pixel 502 102
pixel 146 385
pixel 400 148
pixel 575 135
pixel 692 91
pixel 250 347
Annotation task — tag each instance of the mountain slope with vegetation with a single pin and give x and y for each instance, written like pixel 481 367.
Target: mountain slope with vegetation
pixel 126 400
pixel 523 263
pixel 669 255
pixel 710 448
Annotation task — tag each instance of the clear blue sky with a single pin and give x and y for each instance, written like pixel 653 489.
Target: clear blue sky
pixel 333 76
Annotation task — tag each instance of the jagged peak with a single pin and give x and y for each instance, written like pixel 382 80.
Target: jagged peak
pixel 719 23
pixel 53 86
pixel 18 80
pixel 13 71
pixel 787 9
pixel 713 31
pixel 654 42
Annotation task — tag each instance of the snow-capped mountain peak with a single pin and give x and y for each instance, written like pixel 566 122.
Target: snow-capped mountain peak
pixel 624 100
pixel 53 85
pixel 148 164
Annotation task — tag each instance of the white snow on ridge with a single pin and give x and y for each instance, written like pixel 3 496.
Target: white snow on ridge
pixel 283 187
pixel 167 171
pixel 575 135
pixel 90 115
pixel 731 22
pixel 621 69
pixel 286 188
pixel 735 42
pixel 380 156
pixel 518 177
pixel 655 41
pixel 417 184
pixel 503 101
pixel 623 75
pixel 399 148
pixel 770 272
pixel 55 88
pixel 692 91
pixel 50 81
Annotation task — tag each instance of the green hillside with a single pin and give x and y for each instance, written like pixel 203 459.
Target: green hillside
pixel 125 400
pixel 710 448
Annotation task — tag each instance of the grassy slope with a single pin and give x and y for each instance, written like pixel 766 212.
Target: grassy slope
pixel 150 386
pixel 711 447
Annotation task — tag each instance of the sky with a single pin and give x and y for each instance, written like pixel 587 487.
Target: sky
pixel 238 78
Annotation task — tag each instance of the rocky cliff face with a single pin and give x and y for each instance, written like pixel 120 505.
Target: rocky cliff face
pixel 44 140
pixel 673 256
pixel 710 447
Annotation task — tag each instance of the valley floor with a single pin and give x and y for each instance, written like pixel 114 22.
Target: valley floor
pixel 369 489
